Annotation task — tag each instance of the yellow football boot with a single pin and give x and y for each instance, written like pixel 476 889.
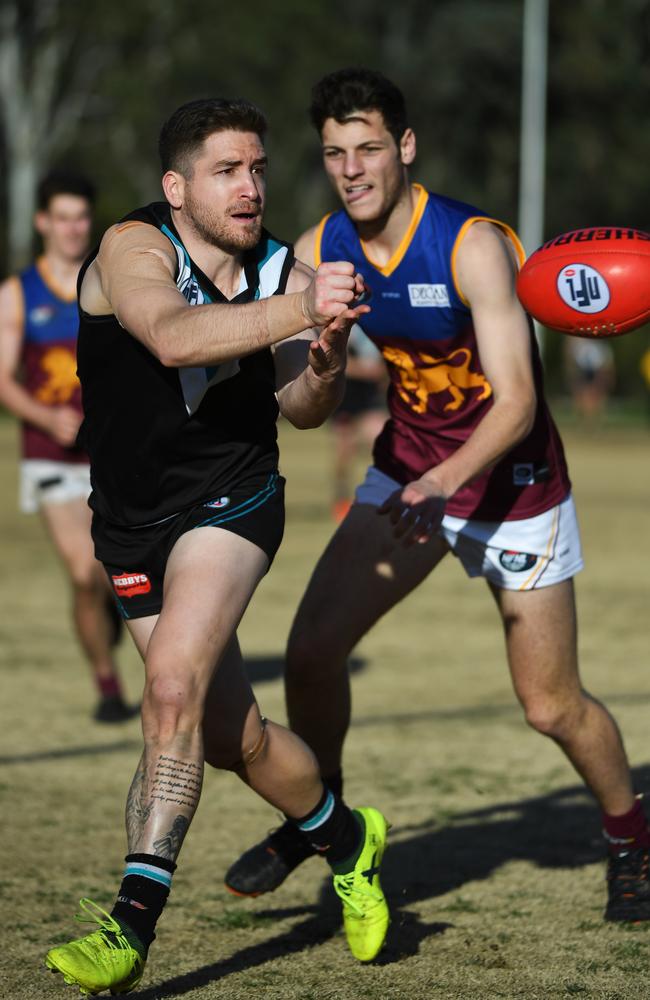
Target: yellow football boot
pixel 102 960
pixel 365 910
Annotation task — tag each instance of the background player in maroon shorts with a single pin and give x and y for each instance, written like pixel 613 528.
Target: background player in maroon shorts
pixel 38 383
pixel 469 462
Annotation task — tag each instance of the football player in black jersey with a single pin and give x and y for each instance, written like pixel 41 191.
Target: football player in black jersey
pixel 183 345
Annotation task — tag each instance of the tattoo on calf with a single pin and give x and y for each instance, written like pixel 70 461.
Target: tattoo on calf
pixel 137 809
pixel 177 782
pixel 169 845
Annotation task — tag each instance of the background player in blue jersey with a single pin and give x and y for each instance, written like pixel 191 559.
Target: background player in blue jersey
pixel 38 383
pixel 196 328
pixel 469 461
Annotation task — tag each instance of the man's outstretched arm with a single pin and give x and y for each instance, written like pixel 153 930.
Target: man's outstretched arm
pixel 133 277
pixel 486 273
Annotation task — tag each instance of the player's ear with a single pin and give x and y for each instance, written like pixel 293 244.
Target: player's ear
pixel 407 147
pixel 41 223
pixel 173 185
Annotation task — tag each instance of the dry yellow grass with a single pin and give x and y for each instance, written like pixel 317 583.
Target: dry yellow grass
pixel 494 870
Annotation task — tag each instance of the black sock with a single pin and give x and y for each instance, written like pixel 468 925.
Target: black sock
pixel 331 828
pixel 335 782
pixel 143 894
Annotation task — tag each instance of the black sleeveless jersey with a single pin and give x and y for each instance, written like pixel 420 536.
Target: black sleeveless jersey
pixel 161 439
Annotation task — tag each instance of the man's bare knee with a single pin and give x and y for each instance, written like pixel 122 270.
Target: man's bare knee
pixel 555 717
pixel 85 579
pixel 170 704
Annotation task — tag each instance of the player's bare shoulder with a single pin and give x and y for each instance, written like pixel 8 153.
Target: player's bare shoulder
pixel 305 247
pixel 486 256
pixel 299 276
pixel 12 306
pixel 485 240
pixel 131 254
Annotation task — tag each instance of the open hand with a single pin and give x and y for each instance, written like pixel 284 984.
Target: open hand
pixel 416 511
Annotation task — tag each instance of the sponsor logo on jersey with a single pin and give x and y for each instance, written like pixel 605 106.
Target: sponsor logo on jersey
pixel 41 315
pixel 583 288
pixel 131 584
pixel 527 473
pixel 429 296
pixel 391 295
pixel 517 562
pixel 417 383
pixel 218 503
pixel 523 474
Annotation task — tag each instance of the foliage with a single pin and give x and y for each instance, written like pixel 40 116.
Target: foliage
pixel 458 61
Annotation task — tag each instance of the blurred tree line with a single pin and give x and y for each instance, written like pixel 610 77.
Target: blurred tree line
pixel 88 85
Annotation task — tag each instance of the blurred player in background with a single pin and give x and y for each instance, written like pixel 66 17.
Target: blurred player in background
pixel 590 374
pixel 359 418
pixel 38 383
pixel 470 462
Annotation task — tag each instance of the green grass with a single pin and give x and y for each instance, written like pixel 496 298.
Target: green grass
pixel 495 869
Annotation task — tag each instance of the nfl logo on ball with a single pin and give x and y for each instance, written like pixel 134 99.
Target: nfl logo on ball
pixel 583 288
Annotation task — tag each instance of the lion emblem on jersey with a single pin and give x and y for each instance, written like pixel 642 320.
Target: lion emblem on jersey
pixel 435 375
pixel 59 367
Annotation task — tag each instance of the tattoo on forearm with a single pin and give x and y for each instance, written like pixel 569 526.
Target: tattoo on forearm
pixel 169 845
pixel 177 782
pixel 137 809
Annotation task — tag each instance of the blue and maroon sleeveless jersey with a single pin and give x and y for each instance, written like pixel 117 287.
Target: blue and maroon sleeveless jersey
pixel 49 359
pixel 438 391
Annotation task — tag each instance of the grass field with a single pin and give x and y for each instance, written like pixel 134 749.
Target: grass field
pixel 495 868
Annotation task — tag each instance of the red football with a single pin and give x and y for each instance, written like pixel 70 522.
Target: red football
pixel 590 282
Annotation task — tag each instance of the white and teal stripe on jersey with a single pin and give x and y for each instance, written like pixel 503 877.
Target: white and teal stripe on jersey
pixel 195 382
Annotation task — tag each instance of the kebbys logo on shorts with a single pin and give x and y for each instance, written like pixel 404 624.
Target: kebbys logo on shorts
pixel 131 584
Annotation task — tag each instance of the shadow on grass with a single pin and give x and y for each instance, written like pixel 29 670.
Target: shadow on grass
pixel 260 669
pixel 320 923
pixel 93 750
pixel 558 830
pixel 270 668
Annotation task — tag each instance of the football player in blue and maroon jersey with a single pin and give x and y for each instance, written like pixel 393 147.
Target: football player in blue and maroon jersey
pixel 469 462
pixel 38 383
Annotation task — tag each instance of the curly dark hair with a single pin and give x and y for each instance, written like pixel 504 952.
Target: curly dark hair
pixel 340 94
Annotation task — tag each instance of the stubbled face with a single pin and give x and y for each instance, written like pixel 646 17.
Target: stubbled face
pixel 65 226
pixel 364 164
pixel 223 200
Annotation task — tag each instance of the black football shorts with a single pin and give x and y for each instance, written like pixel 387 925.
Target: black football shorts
pixel 135 558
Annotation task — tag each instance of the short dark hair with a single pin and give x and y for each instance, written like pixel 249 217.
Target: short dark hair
pixel 340 94
pixel 185 131
pixel 61 181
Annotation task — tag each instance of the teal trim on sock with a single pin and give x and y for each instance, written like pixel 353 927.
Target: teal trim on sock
pixel 320 817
